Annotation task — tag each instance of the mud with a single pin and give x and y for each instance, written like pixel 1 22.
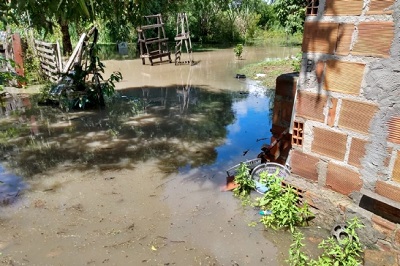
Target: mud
pixel 144 202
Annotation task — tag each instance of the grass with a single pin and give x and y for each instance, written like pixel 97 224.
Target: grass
pixel 271 69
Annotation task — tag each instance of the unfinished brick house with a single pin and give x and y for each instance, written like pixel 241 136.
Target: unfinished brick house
pixel 346 121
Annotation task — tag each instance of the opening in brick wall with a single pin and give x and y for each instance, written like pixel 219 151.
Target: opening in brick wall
pixel 312 7
pixel 297 136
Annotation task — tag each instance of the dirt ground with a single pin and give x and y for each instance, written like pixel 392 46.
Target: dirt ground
pixel 141 215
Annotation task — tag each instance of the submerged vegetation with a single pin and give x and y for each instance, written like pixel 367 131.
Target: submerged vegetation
pixel 281 207
pixel 338 252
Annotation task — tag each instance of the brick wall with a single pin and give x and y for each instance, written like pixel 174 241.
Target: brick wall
pixel 349 116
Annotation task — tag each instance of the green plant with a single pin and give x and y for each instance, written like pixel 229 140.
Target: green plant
pixel 244 183
pixel 343 252
pixel 9 76
pixel 238 50
pixel 80 92
pixel 296 256
pixel 282 202
pixel 296 62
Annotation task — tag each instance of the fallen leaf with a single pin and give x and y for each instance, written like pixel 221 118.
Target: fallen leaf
pixel 153 248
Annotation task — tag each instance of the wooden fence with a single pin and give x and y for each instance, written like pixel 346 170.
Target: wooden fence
pixel 50 59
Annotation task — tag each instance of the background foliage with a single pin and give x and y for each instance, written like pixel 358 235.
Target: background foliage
pixel 211 21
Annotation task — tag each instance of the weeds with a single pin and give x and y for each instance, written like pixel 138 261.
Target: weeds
pixel 238 50
pixel 283 205
pixel 343 252
pixel 296 256
pixel 271 68
pixel 244 182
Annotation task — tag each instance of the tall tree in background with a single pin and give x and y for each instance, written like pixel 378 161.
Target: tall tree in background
pixel 291 14
pixel 5 13
pixel 46 14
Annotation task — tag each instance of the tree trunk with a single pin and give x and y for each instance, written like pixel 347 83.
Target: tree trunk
pixel 66 38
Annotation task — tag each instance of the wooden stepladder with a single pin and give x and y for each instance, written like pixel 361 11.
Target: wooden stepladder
pixel 152 40
pixel 182 37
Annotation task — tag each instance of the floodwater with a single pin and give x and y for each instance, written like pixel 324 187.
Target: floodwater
pixel 140 182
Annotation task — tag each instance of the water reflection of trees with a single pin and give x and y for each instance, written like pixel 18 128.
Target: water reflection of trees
pixel 177 125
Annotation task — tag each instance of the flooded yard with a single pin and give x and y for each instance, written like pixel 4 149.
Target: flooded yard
pixel 139 182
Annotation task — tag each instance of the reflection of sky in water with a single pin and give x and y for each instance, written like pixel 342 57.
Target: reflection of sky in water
pixel 10 186
pixel 252 122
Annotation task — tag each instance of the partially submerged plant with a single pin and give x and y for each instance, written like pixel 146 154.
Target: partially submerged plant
pixel 296 256
pixel 342 252
pixel 75 90
pixel 238 50
pixel 244 183
pixel 345 251
pixel 283 205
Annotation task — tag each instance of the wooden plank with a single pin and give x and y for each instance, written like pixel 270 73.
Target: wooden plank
pixel 49 45
pixel 154 40
pixel 45 50
pixel 153 16
pixel 153 26
pixel 48 68
pixel 49 57
pixel 60 66
pixel 50 63
pixel 74 53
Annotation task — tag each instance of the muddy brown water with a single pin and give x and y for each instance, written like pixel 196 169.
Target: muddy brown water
pixel 118 188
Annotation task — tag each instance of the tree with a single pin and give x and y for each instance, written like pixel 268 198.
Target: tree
pixel 291 14
pixel 6 14
pixel 46 14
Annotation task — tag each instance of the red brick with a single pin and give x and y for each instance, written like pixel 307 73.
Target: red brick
pixel 343 7
pixel 329 143
pixel 384 226
pixel 311 105
pixel 397 239
pixel 383 222
pixel 342 180
pixel 380 258
pixel 387 190
pixel 304 165
pixel 381 32
pixel 396 169
pixel 276 114
pixel 394 129
pixel 345 35
pixel 332 112
pixel 380 7
pixel 356 116
pixel 320 37
pixel 286 85
pixel 337 75
pixel 286 112
pixel 319 70
pixel 357 151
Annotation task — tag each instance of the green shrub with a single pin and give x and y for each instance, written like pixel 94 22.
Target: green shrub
pixel 238 50
pixel 282 202
pixel 244 182
pixel 343 252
